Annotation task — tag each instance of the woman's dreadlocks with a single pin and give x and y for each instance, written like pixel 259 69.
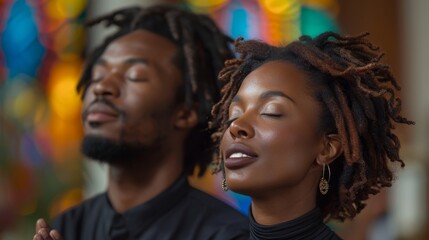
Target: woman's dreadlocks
pixel 357 95
pixel 202 50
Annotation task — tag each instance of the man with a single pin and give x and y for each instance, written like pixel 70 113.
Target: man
pixel 147 92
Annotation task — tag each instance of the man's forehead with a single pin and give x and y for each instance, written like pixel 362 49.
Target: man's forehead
pixel 140 43
pixel 142 39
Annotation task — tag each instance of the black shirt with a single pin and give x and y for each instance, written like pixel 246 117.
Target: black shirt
pixel 309 226
pixel 180 212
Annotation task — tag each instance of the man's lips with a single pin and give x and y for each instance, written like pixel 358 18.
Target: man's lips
pixel 100 113
pixel 100 117
pixel 238 156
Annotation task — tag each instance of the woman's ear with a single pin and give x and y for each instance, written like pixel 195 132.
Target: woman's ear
pixel 332 149
pixel 186 118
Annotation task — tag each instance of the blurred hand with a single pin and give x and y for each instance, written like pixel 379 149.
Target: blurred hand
pixel 45 232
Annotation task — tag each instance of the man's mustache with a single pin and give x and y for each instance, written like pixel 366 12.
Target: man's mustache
pixel 105 102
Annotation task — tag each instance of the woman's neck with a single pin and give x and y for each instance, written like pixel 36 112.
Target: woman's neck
pixel 282 207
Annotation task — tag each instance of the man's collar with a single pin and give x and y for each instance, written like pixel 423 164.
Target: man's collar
pixel 142 216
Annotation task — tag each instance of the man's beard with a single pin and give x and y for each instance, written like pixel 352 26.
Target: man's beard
pixel 111 152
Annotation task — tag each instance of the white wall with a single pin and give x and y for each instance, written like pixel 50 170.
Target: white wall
pixel 409 196
pixel 415 40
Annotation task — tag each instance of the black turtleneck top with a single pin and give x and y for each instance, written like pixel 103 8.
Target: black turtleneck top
pixel 309 226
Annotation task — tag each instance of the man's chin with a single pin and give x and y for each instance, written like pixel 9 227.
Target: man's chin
pixel 108 151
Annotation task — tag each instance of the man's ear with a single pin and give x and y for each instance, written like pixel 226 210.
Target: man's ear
pixel 332 149
pixel 186 118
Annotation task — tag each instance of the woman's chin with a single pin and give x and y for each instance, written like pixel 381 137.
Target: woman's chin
pixel 242 188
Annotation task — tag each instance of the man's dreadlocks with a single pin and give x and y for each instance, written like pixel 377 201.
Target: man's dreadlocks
pixel 357 95
pixel 202 50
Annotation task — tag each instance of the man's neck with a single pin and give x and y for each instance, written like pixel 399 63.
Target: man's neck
pixel 130 186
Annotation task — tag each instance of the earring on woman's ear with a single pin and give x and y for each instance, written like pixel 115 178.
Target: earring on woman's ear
pixel 224 185
pixel 324 184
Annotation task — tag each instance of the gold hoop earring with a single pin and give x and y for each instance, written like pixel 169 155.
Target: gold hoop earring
pixel 224 184
pixel 324 184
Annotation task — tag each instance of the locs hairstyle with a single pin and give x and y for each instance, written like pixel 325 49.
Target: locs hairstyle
pixel 357 95
pixel 202 51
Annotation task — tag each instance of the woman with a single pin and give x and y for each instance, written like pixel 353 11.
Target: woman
pixel 305 130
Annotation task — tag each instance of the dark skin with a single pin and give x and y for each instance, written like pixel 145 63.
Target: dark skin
pixel 137 75
pixel 273 148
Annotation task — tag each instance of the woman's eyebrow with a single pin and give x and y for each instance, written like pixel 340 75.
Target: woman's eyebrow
pixel 269 94
pixel 236 98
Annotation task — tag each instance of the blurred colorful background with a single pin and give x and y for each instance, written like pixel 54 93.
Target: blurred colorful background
pixel 43 46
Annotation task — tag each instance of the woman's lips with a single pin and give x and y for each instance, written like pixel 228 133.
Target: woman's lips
pixel 238 156
pixel 236 163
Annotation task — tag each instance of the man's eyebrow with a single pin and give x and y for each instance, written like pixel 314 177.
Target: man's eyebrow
pixel 269 94
pixel 102 61
pixel 136 60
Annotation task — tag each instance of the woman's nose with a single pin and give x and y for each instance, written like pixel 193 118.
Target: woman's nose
pixel 241 128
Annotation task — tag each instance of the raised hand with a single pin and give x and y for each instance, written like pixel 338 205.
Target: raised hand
pixel 45 232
